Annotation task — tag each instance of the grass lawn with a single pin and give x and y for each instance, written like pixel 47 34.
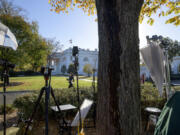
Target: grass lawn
pixel 10 131
pixel 37 82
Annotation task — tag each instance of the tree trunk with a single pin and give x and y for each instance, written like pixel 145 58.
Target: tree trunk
pixel 118 109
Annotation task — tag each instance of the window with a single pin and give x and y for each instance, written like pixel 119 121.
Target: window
pixel 52 62
pixel 64 58
pixel 86 59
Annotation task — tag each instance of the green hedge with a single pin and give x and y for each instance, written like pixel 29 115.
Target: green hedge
pixel 150 98
pixel 23 73
pixel 175 76
pixel 25 103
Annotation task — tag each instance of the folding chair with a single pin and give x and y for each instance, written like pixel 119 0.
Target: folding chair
pixel 84 109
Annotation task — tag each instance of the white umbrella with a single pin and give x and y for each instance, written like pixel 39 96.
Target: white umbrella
pixel 7 38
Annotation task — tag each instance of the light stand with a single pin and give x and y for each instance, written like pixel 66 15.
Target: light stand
pixel 5 78
pixel 167 76
pixel 94 94
pixel 5 81
pixel 76 64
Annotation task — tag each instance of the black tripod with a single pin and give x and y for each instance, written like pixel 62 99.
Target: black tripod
pixel 46 71
pixel 75 52
pixel 5 78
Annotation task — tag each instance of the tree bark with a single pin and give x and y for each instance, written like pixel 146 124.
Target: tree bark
pixel 118 109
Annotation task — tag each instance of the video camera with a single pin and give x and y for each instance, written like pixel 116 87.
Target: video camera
pixel 46 71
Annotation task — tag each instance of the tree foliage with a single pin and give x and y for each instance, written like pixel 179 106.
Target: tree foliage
pixel 32 50
pixel 71 69
pixel 38 52
pixel 55 47
pixel 173 47
pixel 63 69
pixel 169 8
pixel 7 8
pixel 87 69
pixel 23 33
pixel 66 5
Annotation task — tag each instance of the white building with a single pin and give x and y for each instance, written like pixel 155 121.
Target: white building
pixel 65 58
pixel 91 57
pixel 175 67
pixel 144 71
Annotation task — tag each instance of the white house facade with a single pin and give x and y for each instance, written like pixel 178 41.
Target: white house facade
pixel 85 56
pixel 175 67
pixel 144 71
pixel 91 57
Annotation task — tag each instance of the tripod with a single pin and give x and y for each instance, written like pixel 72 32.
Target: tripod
pixel 5 78
pixel 48 90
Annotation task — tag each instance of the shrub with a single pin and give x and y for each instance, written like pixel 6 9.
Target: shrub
pixel 9 109
pixel 88 69
pixel 63 69
pixel 23 73
pixel 26 103
pixel 175 76
pixel 150 98
pixel 71 69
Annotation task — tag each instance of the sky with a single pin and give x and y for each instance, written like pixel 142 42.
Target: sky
pixel 81 28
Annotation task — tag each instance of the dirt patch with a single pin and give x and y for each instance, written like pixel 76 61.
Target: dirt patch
pixel 11 84
pixel 53 126
pixel 40 127
pixel 11 119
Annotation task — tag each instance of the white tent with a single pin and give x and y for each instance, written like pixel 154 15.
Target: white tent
pixel 157 63
pixel 7 38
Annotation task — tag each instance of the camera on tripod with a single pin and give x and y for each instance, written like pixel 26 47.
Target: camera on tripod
pixel 46 71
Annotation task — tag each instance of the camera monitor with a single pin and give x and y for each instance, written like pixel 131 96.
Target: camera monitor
pixel 7 38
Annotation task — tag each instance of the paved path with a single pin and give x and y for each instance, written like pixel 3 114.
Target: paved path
pixel 12 95
pixel 87 80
